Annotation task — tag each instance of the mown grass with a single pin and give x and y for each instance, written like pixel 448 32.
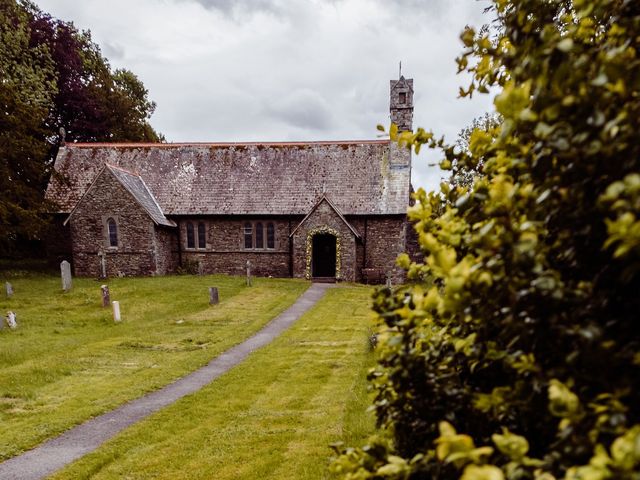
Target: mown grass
pixel 271 417
pixel 68 360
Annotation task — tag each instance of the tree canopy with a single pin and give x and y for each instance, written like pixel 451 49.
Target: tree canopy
pixel 513 354
pixel 53 76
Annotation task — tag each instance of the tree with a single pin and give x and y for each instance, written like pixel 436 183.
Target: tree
pixel 54 76
pixel 520 328
pixel 93 103
pixel 27 87
pixel 460 174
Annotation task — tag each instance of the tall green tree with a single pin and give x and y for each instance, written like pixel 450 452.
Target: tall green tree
pixel 27 89
pixel 52 76
pixel 514 352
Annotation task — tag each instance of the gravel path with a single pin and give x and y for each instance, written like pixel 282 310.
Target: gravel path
pixel 87 437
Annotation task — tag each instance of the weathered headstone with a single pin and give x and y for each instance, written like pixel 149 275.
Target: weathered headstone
pixel 11 320
pixel 213 296
pixel 116 311
pixel 65 271
pixel 388 280
pixel 200 268
pixel 106 298
pixel 9 289
pixel 248 273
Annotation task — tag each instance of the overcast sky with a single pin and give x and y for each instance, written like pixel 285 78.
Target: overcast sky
pixel 280 70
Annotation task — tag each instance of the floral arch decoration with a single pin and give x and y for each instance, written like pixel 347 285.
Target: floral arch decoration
pixel 309 246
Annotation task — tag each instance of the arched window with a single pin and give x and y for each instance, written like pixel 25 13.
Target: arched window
pixel 271 236
pixel 112 227
pixel 191 243
pixel 259 235
pixel 248 235
pixel 202 236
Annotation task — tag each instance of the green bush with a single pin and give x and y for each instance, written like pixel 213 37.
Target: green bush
pixel 520 329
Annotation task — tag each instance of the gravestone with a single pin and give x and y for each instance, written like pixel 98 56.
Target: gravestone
pixel 65 271
pixel 11 320
pixel 9 289
pixel 388 285
pixel 213 295
pixel 116 311
pixel 106 298
pixel 248 273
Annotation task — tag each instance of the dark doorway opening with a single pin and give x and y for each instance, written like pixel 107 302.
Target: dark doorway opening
pixel 323 260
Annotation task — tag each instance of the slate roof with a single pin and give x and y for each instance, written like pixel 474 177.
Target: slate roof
pixel 136 187
pixel 134 184
pixel 243 178
pixel 335 209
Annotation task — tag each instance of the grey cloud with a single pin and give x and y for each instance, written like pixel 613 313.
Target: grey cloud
pixel 113 51
pixel 238 8
pixel 303 109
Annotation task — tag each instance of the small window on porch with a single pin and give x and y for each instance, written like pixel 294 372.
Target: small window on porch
pixel 112 227
pixel 248 235
pixel 402 98
pixel 191 242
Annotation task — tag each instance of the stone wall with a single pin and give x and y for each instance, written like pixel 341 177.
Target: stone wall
pixel 385 240
pixel 135 253
pixel 166 250
pixel 225 253
pixel 263 264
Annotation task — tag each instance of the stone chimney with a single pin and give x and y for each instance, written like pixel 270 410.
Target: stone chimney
pixel 401 103
pixel 401 109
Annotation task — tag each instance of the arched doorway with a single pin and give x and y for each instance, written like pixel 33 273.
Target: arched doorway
pixel 323 261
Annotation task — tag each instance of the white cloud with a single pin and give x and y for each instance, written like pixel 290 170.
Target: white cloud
pixel 223 70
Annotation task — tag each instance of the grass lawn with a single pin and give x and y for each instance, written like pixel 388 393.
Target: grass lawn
pixel 271 417
pixel 68 361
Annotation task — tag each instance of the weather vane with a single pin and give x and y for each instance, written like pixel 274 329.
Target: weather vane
pixel 400 70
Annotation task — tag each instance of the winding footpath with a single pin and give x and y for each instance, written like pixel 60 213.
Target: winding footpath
pixel 87 437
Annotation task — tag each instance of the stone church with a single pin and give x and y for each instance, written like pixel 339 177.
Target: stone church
pixel 329 210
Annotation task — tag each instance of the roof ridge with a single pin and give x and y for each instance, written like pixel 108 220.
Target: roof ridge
pixel 223 144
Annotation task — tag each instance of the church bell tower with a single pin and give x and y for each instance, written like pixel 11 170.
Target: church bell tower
pixel 401 103
pixel 401 110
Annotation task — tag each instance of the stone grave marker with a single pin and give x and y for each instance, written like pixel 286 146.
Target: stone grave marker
pixel 248 273
pixel 116 311
pixel 9 289
pixel 65 271
pixel 213 296
pixel 106 297
pixel 11 320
